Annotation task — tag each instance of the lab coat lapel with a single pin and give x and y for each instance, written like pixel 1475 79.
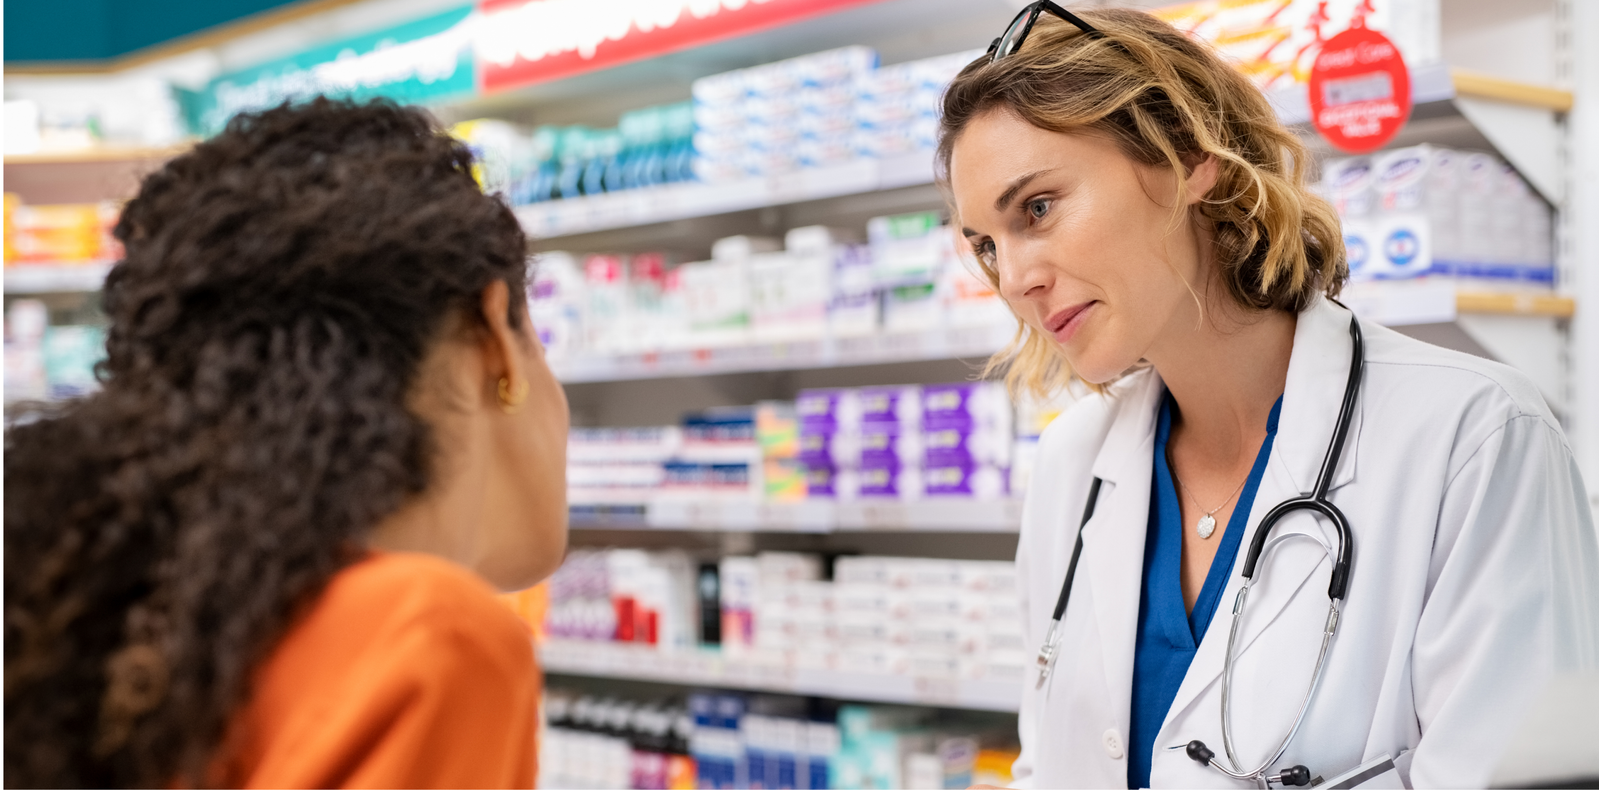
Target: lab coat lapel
pixel 1113 540
pixel 1317 373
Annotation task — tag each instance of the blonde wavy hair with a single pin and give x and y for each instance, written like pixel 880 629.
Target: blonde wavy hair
pixel 1166 100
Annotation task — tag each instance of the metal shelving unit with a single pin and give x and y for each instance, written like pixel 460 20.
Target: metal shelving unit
pixel 711 668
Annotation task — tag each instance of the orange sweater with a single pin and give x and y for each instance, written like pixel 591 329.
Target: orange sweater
pixel 406 672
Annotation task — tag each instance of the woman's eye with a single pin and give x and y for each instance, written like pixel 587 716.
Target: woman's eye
pixel 983 250
pixel 1038 208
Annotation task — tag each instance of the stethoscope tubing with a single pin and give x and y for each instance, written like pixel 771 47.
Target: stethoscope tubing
pixel 1318 503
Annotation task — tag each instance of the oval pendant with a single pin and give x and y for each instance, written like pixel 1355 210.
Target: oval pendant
pixel 1206 526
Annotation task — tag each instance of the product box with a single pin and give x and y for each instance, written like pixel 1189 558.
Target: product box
pixel 896 405
pixel 1424 180
pixel 965 478
pixel 856 301
pixel 1481 251
pixel 716 302
pixel 69 355
pixel 882 478
pixel 655 303
pixel 969 406
pixel 789 295
pixel 890 444
pixel 740 581
pixel 829 410
pixel 906 248
pixel 958 443
pixel 824 481
pixel 1349 184
pixel 1406 248
pixel 823 445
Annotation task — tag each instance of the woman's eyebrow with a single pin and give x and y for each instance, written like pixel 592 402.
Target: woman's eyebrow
pixel 1016 186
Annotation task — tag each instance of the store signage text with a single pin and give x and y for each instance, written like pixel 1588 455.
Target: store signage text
pixel 425 60
pixel 1359 90
pixel 521 42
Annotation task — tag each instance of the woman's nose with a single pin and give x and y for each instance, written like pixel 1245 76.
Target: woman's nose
pixel 1024 274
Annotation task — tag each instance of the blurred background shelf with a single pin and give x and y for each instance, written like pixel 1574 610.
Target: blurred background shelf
pixel 714 670
pixel 946 514
pixel 654 205
pixel 800 354
pixel 47 278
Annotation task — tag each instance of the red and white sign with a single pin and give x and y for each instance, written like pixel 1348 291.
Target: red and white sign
pixel 521 42
pixel 1359 90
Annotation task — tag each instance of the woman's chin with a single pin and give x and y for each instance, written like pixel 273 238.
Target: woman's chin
pixel 1097 371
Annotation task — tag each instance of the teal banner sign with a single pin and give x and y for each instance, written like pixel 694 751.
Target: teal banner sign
pixel 422 61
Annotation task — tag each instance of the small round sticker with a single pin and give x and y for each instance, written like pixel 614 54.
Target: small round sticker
pixel 1402 247
pixel 1359 90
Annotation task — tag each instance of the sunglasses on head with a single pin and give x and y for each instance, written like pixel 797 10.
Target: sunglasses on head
pixel 1011 40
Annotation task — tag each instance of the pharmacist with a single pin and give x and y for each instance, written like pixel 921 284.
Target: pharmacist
pixel 1415 540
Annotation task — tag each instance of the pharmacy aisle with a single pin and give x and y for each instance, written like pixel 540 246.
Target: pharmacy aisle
pixel 794 490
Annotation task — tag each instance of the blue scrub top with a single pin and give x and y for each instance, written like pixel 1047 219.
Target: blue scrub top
pixel 1168 636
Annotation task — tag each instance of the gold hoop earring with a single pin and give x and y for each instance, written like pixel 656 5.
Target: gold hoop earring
pixel 512 396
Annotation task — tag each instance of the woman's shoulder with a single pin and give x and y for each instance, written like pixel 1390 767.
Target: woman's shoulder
pixel 1439 385
pixel 402 620
pixel 398 655
pixel 405 591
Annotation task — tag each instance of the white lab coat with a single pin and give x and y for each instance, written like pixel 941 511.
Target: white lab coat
pixel 1475 574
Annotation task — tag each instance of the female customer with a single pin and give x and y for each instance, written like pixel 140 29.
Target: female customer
pixel 265 553
pixel 1145 215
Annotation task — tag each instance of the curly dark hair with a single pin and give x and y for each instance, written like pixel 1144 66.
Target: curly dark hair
pixel 282 285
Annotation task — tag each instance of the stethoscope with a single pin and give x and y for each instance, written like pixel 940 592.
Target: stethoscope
pixel 1317 502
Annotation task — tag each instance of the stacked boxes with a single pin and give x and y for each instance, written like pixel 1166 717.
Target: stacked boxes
pixel 898 105
pixel 830 441
pixel 725 740
pixel 60 234
pixel 948 619
pixel 625 595
pixel 649 147
pixel 968 435
pixel 907 442
pixel 814 283
pixel 619 465
pixel 778 117
pixel 720 457
pixel 944 619
pixel 1426 210
pixel 603 742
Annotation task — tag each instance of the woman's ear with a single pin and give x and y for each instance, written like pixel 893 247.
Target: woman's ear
pixel 502 359
pixel 1202 177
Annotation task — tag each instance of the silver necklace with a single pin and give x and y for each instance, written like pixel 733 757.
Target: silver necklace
pixel 1206 526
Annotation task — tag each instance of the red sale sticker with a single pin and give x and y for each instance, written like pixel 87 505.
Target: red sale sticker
pixel 1359 90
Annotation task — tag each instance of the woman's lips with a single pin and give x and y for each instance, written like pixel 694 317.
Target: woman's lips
pixel 1064 324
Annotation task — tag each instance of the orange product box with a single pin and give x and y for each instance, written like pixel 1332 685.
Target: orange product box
pixel 64 233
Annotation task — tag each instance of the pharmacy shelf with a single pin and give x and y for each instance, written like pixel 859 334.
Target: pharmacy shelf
pixel 1392 302
pixel 654 205
pixel 821 352
pixel 96 154
pixel 1527 304
pixel 46 278
pixel 812 516
pixel 1434 87
pixel 712 669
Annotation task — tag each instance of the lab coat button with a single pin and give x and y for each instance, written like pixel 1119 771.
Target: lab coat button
pixel 1113 743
